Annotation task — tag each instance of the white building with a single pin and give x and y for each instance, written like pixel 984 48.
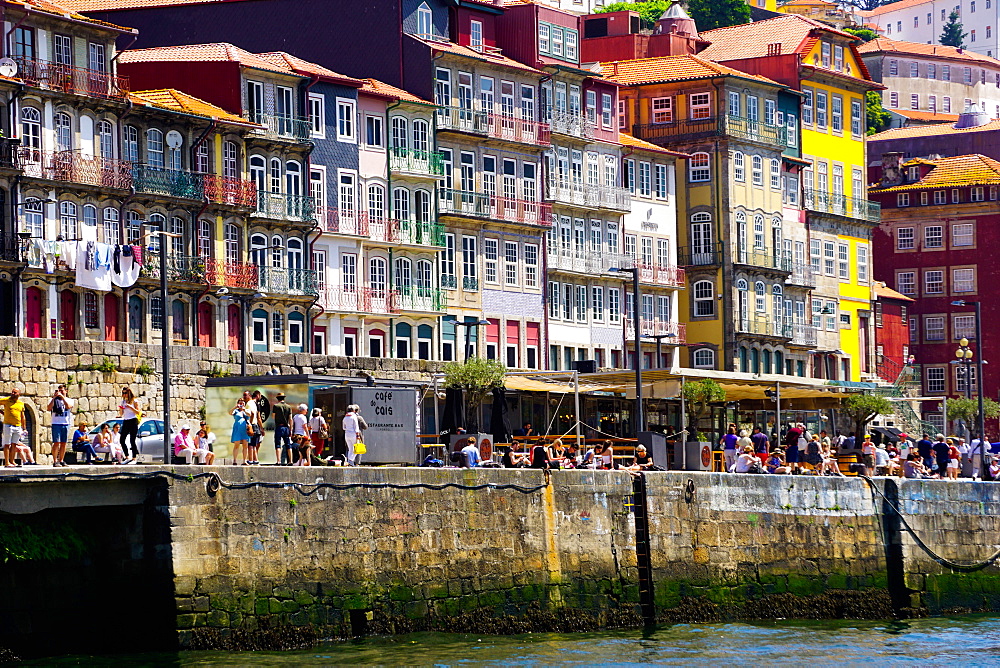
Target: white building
pixel 924 20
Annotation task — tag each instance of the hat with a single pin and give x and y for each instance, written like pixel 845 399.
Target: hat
pixel 280 395
pixel 903 436
pixel 185 427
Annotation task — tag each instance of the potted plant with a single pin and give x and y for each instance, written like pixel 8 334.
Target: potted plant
pixel 476 377
pixel 699 395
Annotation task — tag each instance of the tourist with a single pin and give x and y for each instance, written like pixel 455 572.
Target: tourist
pixel 591 457
pixel 185 446
pixel 61 408
pixel 240 435
pixel 924 446
pixel 557 452
pixel 744 441
pixel 255 425
pixel 868 453
pixel 954 460
pixel 608 456
pixel 849 442
pixel 513 458
pixel 470 454
pixel 776 462
pixel 942 455
pixel 318 431
pixel 976 457
pixel 281 413
pixel 995 469
pixel 641 461
pixel 792 452
pixel 208 441
pixel 760 441
pixel 300 435
pixel 540 455
pixel 747 462
pixel 830 466
pixel 130 413
pixel 813 454
pixel 824 439
pixel 13 424
pixel 24 450
pixel 525 431
pixel 882 459
pixel 81 443
pixel 728 443
pixel 352 434
pixel 105 443
pixel 913 468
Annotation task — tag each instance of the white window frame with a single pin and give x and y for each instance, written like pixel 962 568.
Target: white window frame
pixel 347 120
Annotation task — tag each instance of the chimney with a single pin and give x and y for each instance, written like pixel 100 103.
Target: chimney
pixel 892 169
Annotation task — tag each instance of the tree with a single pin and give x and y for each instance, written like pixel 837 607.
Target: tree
pixel 864 33
pixel 649 11
pixel 477 377
pixel 876 114
pixel 967 410
pixel 710 14
pixel 861 408
pixel 698 397
pixel 953 35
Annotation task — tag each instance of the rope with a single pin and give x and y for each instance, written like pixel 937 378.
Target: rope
pixel 947 563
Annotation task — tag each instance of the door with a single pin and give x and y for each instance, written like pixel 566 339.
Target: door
pixel 206 325
pixel 864 343
pixel 233 327
pixel 111 316
pixel 135 319
pixel 67 315
pixel 33 313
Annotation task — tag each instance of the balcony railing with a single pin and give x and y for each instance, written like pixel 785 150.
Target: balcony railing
pixel 449 281
pixel 285 281
pixel 752 130
pixel 66 79
pixel 72 167
pixel 762 259
pixel 656 274
pixel 470 283
pixel 180 269
pixel 681 129
pixel 673 333
pixel 234 192
pixel 10 157
pixel 420 233
pixel 153 180
pixel 338 221
pixel 493 125
pixel 764 327
pixel 479 205
pixel 578 193
pixel 585 262
pixel 841 205
pixel 802 274
pixel 231 274
pixel 10 249
pixel 416 163
pixel 377 301
pixel 803 335
pixel 284 207
pixel 280 127
pixel 423 300
pixel 705 255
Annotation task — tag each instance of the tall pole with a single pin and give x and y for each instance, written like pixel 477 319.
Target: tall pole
pixel 576 401
pixel 777 413
pixel 640 418
pixel 981 427
pixel 165 333
pixel 244 308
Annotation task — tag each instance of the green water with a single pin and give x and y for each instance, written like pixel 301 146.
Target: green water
pixel 969 641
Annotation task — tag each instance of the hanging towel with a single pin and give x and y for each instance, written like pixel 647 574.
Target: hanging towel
pixel 69 254
pixel 137 254
pixel 104 256
pixel 91 277
pixel 88 256
pixel 127 274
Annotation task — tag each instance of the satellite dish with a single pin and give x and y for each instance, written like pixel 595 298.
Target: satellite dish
pixel 8 67
pixel 174 139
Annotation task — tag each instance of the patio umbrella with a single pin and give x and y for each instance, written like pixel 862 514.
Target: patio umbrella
pixel 499 420
pixel 452 416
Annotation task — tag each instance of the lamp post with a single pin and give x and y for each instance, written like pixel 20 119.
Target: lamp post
pixel 640 421
pixel 964 358
pixel 244 302
pixel 659 338
pixel 469 325
pixel 981 420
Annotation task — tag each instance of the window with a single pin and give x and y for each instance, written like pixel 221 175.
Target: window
pixel 644 179
pixel 469 272
pixel 933 282
pixel 934 328
pixel 556 41
pixel 373 131
pixel 893 100
pixel 933 236
pixel 704 299
pixel 699 105
pixel 317 115
pixel 543 38
pixel 425 20
pixel 510 263
pixel 904 238
pixel 345 120
pixel 932 103
pixel 940 197
pixel 491 252
pixel 914 70
pixel 893 68
pixel 857 116
pixel 821 110
pixel 663 110
pixel 843 262
pixel 476 34
pixel 903 199
pixel 606 106
pixel 964 327
pixel 963 280
pixel 946 105
pixel 739 167
pixel 775 174
pixel 757 172
pixel 448 262
pixel 530 265
pixel 967 75
pixel 614 305
pixel 906 282
pixel 934 380
pixel 838 57
pixel 829 258
pixel 68 220
pixel 977 194
pixel 597 302
pixel 956 196
pixel 703 358
pixel 837 113
pixel 698 166
pixel 862 251
pixel 571 45
pixel 660 182
pixel 961 233
pixel 914 101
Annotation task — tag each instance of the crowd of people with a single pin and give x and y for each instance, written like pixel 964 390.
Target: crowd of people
pixel 545 455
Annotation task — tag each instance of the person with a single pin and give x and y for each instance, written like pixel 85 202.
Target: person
pixel 881 460
pixel 924 447
pixel 912 468
pixel 129 412
pixel 525 431
pixel 975 457
pixel 746 462
pixel 239 438
pixel 513 458
pixel 572 458
pixel 557 452
pixel 255 425
pixel 281 413
pixel 116 437
pixel 829 465
pixel 942 455
pixel 318 431
pixel 728 443
pixel 186 446
pixel 590 457
pixel 608 456
pixel 995 469
pixel 300 435
pixel 641 461
pixel 13 424
pixel 209 441
pixel 363 426
pixel 24 452
pixel 352 433
pixel 954 460
pixel 814 454
pixel 61 408
pixel 470 454
pixel 539 455
pixel 868 453
pixel 776 462
pixel 744 441
pixel 849 442
pixel 760 442
pixel 81 443
pixel 104 442
pixel 792 453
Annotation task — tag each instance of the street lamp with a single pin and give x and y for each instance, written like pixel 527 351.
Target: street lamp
pixel 468 326
pixel 244 302
pixel 659 338
pixel 981 421
pixel 640 421
pixel 964 358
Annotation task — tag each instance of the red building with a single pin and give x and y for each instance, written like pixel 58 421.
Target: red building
pixel 939 220
pixel 892 337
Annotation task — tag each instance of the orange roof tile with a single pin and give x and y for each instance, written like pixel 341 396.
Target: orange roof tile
pixel 287 61
pixel 376 87
pixel 882 290
pixel 931 130
pixel 926 116
pixel 175 100
pixel 886 45
pixel 485 56
pixel 892 7
pixel 753 40
pixel 962 170
pixel 65 9
pixel 671 68
pixel 635 143
pixel 218 52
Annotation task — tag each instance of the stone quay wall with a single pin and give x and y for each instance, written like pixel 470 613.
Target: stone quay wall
pixel 95 371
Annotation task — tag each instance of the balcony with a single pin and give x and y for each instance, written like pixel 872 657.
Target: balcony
pixel 673 333
pixel 420 233
pixel 752 130
pixel 280 127
pixel 180 269
pixel 470 283
pixel 74 80
pixel 764 327
pixel 592 196
pixel 803 335
pixel 585 262
pixel 762 260
pixel 154 180
pixel 494 126
pixel 10 154
pixel 10 249
pixel 803 275
pixel 655 274
pixel 375 301
pixel 278 206
pixel 703 255
pixel 231 274
pixel 337 221
pixel 851 207
pixel 677 130
pixel 493 207
pixel 420 300
pixel 449 281
pixel 416 163
pixel 285 281
pixel 234 192
pixel 72 167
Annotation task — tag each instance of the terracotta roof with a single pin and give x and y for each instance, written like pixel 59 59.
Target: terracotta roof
pixel 671 68
pixel 931 130
pixel 218 52
pixel 635 143
pixel 882 290
pixel 175 100
pixel 894 7
pixel 485 56
pixel 886 45
pixel 112 5
pixel 67 9
pixel 962 170
pixel 295 64
pixel 376 87
pixel 753 40
pixel 926 116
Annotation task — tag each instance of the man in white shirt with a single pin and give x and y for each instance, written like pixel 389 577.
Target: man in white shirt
pixel 352 434
pixel 975 457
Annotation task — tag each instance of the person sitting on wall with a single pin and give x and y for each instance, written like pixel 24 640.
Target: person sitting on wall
pixel 641 461
pixel 557 452
pixel 81 443
pixel 185 446
pixel 572 458
pixel 104 442
pixel 829 465
pixel 913 467
pixel 747 462
pixel 540 455
pixel 591 457
pixel 607 460
pixel 514 458
pixel 776 462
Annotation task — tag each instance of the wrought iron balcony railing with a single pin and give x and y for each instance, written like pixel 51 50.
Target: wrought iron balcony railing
pixel 231 274
pixel 353 299
pixel 764 327
pixel 416 163
pixel 585 261
pixel 673 333
pixel 802 274
pixel 841 205
pixel 67 79
pixel 285 281
pixel 180 269
pixel 154 180
pixel 420 299
pixel 752 130
pixel 234 192
pixel 280 127
pixel 470 283
pixel 493 207
pixel 578 193
pixel 493 125
pixel 803 335
pixel 284 207
pixel 656 274
pixel 703 255
pixel 762 259
pixel 681 129
pixel 10 157
pixel 449 281
pixel 73 167
pixel 340 221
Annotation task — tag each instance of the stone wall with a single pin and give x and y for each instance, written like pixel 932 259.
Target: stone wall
pixel 36 366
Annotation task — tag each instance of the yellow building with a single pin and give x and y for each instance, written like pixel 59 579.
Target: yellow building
pixel 824 65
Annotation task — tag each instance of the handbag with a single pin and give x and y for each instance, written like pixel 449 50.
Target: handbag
pixel 250 431
pixel 359 448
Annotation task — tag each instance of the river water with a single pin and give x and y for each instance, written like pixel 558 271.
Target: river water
pixel 967 640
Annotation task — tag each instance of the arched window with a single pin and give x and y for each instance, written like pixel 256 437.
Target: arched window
pixel 704 358
pixel 743 302
pixel 68 228
pixel 34 217
pixel 178 244
pixel 91 318
pixel 90 215
pixel 63 126
pixel 178 320
pixel 133 226
pixel 741 236
pixel 277 256
pixel 158 221
pixel 754 360
pixel 293 178
pixel 421 137
pixel 258 172
pixel 702 251
pixel 757 170
pixel 739 167
pixel 401 204
pixel 779 362
pixel 154 148
pixel 202 159
pixel 294 253
pixel 777 306
pixel 403 273
pixel 258 329
pixel 175 154
pixel 400 133
pixel 232 240
pixel 376 202
pixel 758 232
pixel 112 226
pixel 704 299
pixel 230 160
pixel 106 137
pixel 377 279
pixel 258 254
pixel 424 278
pixel 744 360
pixel 404 332
pixel 130 143
pixel 275 176
pixel 775 174
pixel 766 361
pixel 205 246
pixel 699 169
pixel 760 294
pixel 422 206
pixel 31 131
